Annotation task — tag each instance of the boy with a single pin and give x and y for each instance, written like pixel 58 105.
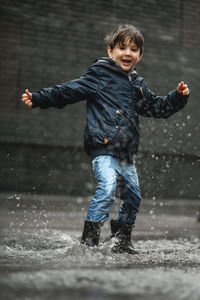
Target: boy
pixel 116 96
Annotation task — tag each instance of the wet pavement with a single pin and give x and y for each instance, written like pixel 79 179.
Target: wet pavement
pixel 41 256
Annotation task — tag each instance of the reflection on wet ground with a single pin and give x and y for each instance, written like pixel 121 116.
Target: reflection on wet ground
pixel 41 256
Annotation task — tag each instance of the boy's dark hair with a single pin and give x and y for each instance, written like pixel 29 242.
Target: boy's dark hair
pixel 123 31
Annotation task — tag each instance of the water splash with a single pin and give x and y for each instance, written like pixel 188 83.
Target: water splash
pixel 60 248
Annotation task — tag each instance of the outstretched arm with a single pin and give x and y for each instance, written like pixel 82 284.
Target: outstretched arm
pixel 155 106
pixel 66 93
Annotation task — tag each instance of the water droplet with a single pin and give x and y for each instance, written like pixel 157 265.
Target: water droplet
pixel 79 200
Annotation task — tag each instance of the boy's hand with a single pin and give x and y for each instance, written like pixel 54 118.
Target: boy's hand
pixel 27 98
pixel 182 88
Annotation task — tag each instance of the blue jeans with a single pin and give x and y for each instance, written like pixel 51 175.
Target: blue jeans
pixel 107 169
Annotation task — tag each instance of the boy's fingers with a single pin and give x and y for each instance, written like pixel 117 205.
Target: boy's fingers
pixel 179 88
pixel 24 99
pixel 28 93
pixel 28 101
pixel 24 96
pixel 27 98
pixel 185 92
pixel 183 89
pixel 182 86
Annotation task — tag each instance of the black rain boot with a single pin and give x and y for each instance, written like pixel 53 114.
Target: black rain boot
pixel 91 233
pixel 123 243
pixel 114 226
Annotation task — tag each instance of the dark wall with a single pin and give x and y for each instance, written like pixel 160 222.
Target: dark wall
pixel 48 42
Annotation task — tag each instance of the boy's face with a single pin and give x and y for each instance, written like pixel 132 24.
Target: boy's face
pixel 126 55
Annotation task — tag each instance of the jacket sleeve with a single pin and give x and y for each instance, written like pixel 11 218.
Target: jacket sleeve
pixel 155 106
pixel 67 93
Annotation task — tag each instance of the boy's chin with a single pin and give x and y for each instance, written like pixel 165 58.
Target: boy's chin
pixel 127 68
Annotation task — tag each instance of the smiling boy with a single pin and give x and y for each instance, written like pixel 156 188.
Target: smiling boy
pixel 116 96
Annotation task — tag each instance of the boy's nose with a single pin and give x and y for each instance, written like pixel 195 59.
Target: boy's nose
pixel 128 52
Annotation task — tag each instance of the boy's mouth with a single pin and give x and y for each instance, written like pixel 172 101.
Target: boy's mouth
pixel 126 61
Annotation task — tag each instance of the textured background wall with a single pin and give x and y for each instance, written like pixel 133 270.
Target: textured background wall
pixel 47 42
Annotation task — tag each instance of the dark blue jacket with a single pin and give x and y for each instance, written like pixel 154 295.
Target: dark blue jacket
pixel 115 99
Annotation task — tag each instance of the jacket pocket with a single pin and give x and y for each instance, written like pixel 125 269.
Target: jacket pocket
pixel 109 133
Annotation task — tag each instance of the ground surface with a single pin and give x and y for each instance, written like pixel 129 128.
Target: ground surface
pixel 41 256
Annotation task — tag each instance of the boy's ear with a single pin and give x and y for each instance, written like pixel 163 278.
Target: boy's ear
pixel 140 56
pixel 109 50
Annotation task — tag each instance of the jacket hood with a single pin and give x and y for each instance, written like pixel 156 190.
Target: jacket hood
pixel 113 65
